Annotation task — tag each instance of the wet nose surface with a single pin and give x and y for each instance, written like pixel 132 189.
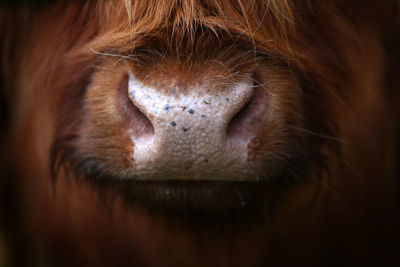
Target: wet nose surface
pixel 190 132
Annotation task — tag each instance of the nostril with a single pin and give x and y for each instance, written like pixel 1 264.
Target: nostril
pixel 138 123
pixel 141 125
pixel 249 119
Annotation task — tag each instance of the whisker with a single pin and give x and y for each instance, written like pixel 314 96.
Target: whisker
pixel 322 135
pixel 121 57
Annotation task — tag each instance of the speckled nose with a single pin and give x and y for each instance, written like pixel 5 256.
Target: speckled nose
pixel 190 138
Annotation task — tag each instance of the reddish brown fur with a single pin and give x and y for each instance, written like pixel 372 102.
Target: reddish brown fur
pixel 334 51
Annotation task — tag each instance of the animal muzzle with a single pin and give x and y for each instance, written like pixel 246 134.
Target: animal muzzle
pixel 193 133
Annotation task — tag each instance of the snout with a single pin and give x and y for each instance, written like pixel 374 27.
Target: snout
pixel 193 134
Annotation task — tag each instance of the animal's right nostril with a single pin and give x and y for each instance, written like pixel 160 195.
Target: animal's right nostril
pixel 139 124
pixel 248 120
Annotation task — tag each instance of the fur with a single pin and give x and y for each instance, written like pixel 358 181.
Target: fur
pixel 339 57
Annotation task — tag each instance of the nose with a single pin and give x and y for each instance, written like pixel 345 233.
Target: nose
pixel 189 138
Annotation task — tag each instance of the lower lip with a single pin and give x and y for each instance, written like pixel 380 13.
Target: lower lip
pixel 199 201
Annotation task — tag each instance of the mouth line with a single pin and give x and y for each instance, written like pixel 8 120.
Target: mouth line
pixel 195 201
pixel 213 200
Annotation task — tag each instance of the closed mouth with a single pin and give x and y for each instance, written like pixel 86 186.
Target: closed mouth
pixel 196 201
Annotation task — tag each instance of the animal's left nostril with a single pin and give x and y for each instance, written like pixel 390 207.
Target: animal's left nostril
pixel 139 124
pixel 248 119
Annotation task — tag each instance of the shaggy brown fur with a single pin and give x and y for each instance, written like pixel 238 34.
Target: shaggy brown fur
pixel 335 59
pixel 148 32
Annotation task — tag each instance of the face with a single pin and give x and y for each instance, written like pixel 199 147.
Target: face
pixel 180 109
pixel 215 119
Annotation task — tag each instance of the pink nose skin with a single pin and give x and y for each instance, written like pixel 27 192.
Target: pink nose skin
pixel 190 140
